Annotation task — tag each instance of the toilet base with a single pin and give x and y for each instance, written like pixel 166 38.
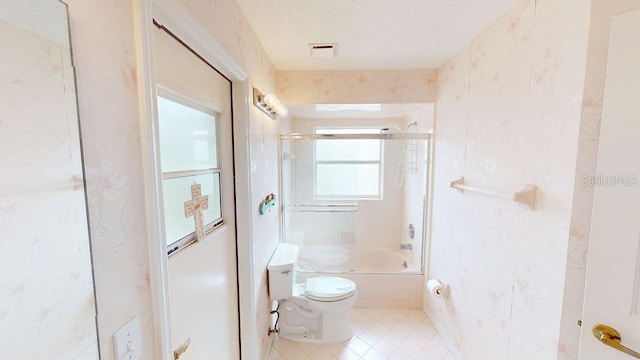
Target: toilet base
pixel 296 325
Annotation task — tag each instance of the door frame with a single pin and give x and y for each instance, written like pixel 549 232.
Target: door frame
pixel 176 17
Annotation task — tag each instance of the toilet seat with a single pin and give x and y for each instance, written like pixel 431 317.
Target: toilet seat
pixel 328 288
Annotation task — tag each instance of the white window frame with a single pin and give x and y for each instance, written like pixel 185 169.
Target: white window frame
pixel 380 163
pixel 189 239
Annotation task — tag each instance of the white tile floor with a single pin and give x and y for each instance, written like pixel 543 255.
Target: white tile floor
pixel 377 334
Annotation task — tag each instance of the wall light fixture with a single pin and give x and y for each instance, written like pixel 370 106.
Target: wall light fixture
pixel 269 104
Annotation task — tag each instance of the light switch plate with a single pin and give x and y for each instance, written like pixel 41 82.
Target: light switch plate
pixel 127 342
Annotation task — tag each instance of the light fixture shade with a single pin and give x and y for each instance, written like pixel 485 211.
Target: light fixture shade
pixel 269 104
pixel 270 100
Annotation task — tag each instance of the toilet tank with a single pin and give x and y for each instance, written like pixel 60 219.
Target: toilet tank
pixel 282 271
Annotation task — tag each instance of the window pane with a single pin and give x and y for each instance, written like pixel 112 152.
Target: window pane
pixel 348 131
pixel 176 192
pixel 347 180
pixel 348 150
pixel 187 137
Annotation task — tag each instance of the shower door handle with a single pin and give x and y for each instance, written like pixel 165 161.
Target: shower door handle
pixel 611 337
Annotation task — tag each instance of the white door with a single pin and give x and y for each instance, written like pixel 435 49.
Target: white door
pixel 613 276
pixel 194 107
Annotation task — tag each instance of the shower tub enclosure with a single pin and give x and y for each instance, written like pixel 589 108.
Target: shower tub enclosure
pixel 354 200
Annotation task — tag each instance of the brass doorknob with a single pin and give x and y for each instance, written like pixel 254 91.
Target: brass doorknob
pixel 611 337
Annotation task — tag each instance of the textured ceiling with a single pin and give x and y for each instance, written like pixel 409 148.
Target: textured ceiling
pixel 372 34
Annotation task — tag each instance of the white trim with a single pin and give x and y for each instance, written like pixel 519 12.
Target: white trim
pixel 177 18
pixel 153 195
pixel 206 107
pixel 244 233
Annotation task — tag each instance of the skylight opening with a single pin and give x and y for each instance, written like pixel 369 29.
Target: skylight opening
pixel 348 107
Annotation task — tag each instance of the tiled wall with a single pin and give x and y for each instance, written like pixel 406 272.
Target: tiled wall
pixel 508 114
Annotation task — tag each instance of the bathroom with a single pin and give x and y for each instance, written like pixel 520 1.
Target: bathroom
pixel 519 104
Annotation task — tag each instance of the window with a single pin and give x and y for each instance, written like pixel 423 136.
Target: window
pixel 348 168
pixel 188 155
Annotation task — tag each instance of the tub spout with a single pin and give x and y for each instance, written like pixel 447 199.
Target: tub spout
pixel 406 247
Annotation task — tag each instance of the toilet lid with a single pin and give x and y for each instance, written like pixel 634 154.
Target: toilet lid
pixel 327 288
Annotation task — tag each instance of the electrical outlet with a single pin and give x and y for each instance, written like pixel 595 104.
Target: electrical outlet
pixel 127 342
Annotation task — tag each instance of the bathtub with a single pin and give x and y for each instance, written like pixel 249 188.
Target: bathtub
pixel 385 278
pixel 371 261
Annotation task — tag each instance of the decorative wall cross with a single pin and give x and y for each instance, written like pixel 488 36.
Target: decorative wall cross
pixel 195 207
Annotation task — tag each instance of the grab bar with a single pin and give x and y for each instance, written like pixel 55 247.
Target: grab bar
pixel 525 196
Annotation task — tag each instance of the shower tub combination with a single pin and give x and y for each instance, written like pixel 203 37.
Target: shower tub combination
pixel 360 238
pixel 386 278
pixel 372 261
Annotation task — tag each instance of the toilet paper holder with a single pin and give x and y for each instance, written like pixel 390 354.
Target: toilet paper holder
pixel 437 288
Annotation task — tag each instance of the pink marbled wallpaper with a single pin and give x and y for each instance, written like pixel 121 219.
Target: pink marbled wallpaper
pixel 47 307
pixel 508 113
pixel 102 34
pixel 357 86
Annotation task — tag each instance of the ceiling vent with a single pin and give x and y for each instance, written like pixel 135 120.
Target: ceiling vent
pixel 324 50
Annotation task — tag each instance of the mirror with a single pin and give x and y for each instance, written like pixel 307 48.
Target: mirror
pixel 47 304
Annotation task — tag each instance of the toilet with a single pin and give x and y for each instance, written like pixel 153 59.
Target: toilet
pixel 314 311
